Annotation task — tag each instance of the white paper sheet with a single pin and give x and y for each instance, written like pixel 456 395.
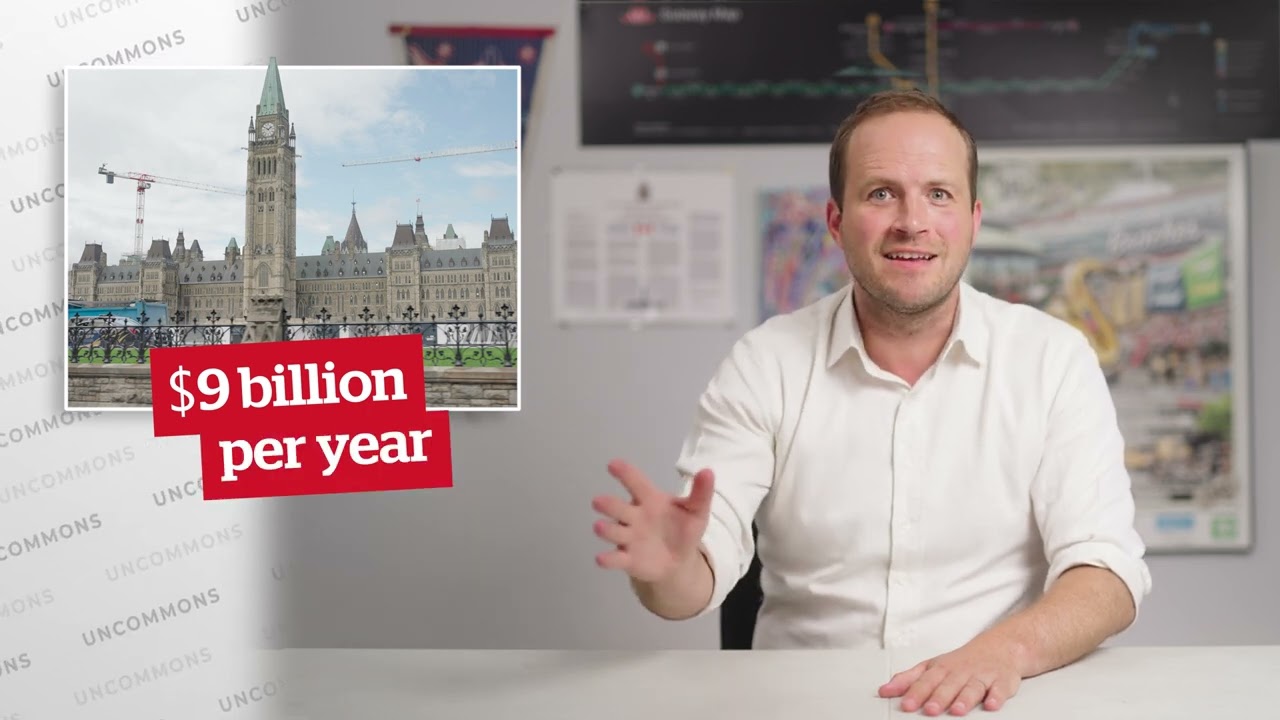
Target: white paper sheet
pixel 642 245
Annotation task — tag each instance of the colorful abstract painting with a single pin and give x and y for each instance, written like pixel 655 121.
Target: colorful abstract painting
pixel 801 262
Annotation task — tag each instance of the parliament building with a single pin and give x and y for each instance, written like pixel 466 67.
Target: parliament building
pixel 412 271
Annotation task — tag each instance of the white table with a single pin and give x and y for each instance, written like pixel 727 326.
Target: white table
pixel 1198 683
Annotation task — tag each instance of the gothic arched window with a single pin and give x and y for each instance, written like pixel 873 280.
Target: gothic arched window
pixel 264 276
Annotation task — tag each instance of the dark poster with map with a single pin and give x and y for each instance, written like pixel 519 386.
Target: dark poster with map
pixel 1066 71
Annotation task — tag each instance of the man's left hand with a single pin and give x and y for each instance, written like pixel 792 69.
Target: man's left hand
pixel 983 672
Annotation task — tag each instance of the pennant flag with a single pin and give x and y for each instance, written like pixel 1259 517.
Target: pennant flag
pixel 442 45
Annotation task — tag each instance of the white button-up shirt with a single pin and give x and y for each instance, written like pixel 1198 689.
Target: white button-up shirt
pixel 890 515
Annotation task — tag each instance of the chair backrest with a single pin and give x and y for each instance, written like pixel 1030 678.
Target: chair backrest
pixel 741 607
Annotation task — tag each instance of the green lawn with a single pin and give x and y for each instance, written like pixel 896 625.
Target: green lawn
pixel 119 356
pixel 471 356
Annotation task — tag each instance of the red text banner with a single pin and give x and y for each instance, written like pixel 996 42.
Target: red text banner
pixel 304 417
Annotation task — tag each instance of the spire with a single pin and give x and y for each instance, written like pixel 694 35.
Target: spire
pixel 354 240
pixel 420 229
pixel 272 101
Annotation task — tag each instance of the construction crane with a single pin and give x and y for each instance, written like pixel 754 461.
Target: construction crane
pixel 145 180
pixel 435 154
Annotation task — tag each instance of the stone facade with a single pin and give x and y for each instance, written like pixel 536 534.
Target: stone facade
pixel 470 387
pixel 122 386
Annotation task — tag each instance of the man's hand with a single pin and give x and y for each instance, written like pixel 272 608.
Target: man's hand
pixel 983 672
pixel 656 533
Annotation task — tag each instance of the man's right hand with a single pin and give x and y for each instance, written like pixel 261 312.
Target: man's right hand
pixel 657 534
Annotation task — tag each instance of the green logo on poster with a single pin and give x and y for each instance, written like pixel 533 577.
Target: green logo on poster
pixel 1224 528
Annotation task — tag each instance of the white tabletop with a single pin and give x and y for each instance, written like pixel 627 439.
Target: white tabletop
pixel 1200 683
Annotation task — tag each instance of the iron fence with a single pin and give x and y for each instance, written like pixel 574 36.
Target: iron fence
pixel 454 340
pixel 125 339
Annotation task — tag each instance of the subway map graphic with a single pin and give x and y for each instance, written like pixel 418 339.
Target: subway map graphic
pixel 1070 71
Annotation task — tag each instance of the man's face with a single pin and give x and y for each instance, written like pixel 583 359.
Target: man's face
pixel 908 222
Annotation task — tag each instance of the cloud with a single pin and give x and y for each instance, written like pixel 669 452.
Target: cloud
pixel 195 129
pixel 314 225
pixel 407 120
pixel 342 108
pixel 183 136
pixel 491 168
pixel 465 82
pixel 484 192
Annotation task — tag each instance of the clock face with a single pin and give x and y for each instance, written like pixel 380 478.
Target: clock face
pixel 268 130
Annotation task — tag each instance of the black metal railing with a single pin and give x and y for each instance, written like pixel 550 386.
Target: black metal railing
pixel 453 341
pixel 110 339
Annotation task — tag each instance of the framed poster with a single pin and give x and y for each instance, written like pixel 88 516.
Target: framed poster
pixel 1144 249
pixel 642 246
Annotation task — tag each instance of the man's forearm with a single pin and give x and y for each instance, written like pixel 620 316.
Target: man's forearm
pixel 681 596
pixel 1084 607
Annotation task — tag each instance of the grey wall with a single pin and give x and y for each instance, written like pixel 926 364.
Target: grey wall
pixel 505 558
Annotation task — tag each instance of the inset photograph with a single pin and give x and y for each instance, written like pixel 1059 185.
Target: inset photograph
pixel 263 204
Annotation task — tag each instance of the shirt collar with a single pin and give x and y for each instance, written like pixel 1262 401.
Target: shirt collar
pixel 970 334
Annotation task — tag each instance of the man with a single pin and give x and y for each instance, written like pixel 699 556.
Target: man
pixel 927 465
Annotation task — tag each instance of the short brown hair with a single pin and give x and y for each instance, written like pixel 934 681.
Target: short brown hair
pixel 884 103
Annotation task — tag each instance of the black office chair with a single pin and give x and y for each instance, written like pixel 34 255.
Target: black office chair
pixel 741 607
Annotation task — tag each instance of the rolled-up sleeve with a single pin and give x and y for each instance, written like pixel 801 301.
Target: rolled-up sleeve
pixel 733 435
pixel 1082 495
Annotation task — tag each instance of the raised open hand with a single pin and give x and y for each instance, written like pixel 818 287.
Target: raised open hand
pixel 655 532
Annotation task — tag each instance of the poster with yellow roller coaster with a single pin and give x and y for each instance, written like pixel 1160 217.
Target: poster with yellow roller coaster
pixel 1143 249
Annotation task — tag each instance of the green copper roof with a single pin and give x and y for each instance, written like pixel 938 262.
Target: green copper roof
pixel 449 234
pixel 272 92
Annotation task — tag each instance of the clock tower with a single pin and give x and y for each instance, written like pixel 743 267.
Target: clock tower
pixel 270 216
